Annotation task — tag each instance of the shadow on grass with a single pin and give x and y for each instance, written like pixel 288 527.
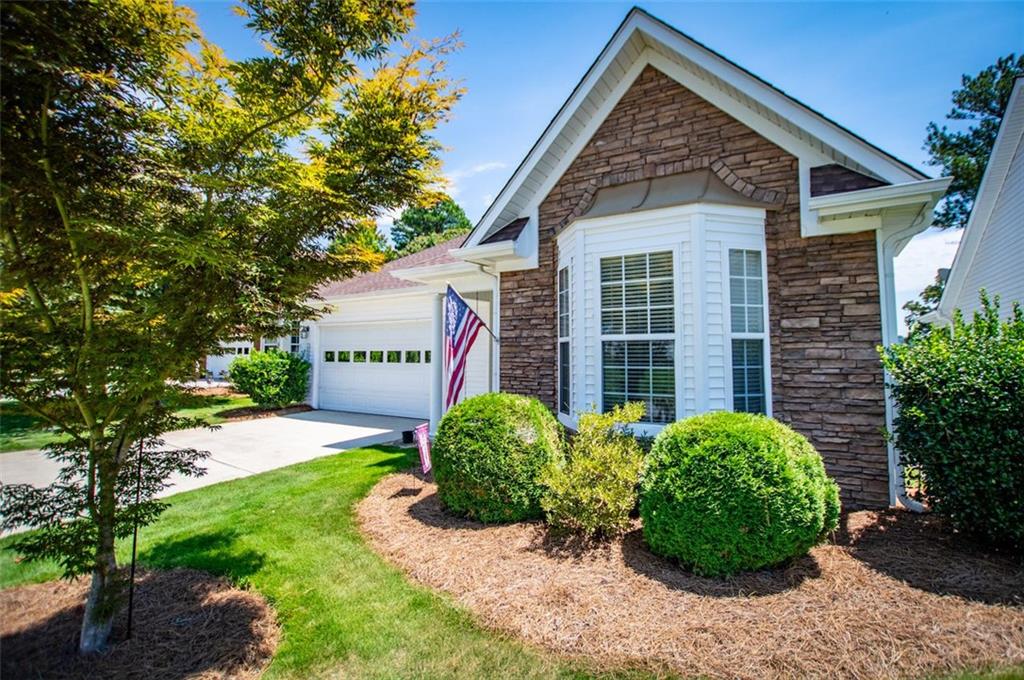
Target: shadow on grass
pixel 216 552
pixel 923 552
pixel 186 624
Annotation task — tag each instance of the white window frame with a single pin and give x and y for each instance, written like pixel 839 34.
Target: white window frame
pixel 643 427
pixel 564 339
pixel 730 335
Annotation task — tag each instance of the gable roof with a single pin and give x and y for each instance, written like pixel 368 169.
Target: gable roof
pixel 1009 141
pixel 383 279
pixel 640 40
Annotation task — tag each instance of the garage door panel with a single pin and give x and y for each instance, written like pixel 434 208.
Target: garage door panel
pixel 401 388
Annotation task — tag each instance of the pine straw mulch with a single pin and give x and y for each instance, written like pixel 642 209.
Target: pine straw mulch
pixel 187 624
pixel 894 596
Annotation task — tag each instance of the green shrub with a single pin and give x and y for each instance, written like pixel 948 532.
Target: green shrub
pixel 596 489
pixel 271 378
pixel 960 394
pixel 725 492
pixel 489 453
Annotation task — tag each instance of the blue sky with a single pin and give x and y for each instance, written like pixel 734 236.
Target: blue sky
pixel 884 70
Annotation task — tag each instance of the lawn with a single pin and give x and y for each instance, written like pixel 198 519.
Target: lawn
pixel 290 535
pixel 20 430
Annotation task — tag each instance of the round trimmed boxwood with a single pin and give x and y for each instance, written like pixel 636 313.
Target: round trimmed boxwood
pixel 726 492
pixel 489 453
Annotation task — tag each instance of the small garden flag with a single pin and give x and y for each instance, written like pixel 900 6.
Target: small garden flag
pixel 422 435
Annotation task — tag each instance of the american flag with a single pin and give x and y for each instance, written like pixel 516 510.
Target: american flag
pixel 461 326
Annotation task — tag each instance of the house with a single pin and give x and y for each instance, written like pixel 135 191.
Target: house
pixel 683 233
pixel 216 365
pixel 994 236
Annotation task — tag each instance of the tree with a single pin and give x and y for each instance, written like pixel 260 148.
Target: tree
pixel 363 240
pixel 964 154
pixel 927 301
pixel 440 217
pixel 150 207
pixel 424 241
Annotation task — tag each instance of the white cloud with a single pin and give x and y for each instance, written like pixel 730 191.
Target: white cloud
pixel 453 179
pixel 487 200
pixel 916 266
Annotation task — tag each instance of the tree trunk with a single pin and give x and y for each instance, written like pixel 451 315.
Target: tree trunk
pixel 99 607
pixel 105 590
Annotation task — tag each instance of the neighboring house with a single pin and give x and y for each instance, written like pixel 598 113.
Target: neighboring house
pixel 989 253
pixel 684 234
pixel 217 365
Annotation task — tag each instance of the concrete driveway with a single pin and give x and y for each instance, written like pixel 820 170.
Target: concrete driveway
pixel 244 448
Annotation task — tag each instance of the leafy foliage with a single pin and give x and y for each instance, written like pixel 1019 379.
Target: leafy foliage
pixel 964 154
pixel 960 393
pixel 363 240
pixel 271 378
pixel 927 301
pixel 489 453
pixel 725 492
pixel 439 217
pixel 151 208
pixel 594 492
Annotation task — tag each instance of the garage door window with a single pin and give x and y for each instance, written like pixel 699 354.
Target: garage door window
pixel 426 356
pixel 377 356
pixel 394 357
pixel 359 357
pixel 344 356
pixel 329 356
pixel 412 356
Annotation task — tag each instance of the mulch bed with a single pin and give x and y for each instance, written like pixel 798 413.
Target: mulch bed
pixel 187 624
pixel 893 596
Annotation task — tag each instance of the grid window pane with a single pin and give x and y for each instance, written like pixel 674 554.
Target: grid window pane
pixel 748 375
pixel 640 370
pixel 746 300
pixel 563 376
pixel 637 294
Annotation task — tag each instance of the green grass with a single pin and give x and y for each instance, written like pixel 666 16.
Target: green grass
pixel 290 535
pixel 20 430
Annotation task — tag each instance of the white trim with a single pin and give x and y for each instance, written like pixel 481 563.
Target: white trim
pixel 889 196
pixel 1008 140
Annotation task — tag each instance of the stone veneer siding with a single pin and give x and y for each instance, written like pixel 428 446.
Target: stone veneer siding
pixel 823 292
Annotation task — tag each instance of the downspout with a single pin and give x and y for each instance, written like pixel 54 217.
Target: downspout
pixel 887 245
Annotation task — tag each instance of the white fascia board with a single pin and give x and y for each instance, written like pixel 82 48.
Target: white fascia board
pixel 553 129
pixel 1008 139
pixel 374 295
pixel 880 197
pixel 865 210
pixel 435 272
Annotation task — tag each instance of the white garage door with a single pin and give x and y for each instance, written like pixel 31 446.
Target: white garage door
pixel 376 368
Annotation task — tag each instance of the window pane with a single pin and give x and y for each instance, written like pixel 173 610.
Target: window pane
pixel 636 294
pixel 611 269
pixel 344 355
pixel 753 263
pixel 755 320
pixel 611 295
pixel 359 357
pixel 635 267
pixel 328 356
pixel 660 264
pixel 748 387
pixel 611 322
pixel 426 357
pixel 746 291
pixel 662 320
pixel 661 292
pixel 640 370
pixel 412 356
pixel 636 321
pixel 563 377
pixel 394 357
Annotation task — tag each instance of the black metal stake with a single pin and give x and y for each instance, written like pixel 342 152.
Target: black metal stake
pixel 135 542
